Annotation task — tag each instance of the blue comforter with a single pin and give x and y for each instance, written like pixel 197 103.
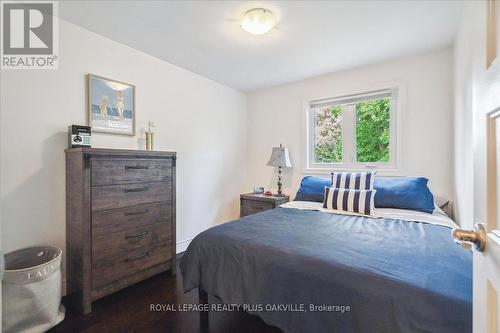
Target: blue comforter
pixel 395 276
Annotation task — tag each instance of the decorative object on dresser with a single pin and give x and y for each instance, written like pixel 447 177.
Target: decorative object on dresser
pixel 79 136
pixel 120 219
pixel 280 158
pixel 149 136
pixel 251 203
pixel 258 190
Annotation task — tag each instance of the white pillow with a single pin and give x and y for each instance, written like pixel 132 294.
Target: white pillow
pixel 353 180
pixel 348 200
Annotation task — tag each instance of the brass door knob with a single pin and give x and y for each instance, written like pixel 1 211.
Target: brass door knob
pixel 467 237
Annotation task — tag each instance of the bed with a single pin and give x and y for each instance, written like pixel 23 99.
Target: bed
pixel 304 269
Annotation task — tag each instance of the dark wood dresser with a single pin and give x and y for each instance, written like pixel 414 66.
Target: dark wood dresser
pixel 251 203
pixel 120 220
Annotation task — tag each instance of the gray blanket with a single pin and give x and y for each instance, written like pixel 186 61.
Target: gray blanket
pixel 377 275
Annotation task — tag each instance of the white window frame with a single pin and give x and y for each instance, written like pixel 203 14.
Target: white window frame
pixel 393 168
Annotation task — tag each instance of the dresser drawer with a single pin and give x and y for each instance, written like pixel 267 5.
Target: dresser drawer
pixel 249 207
pixel 112 269
pixel 118 196
pixel 107 246
pixel 113 172
pixel 105 222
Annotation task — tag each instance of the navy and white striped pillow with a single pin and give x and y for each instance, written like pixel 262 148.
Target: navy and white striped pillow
pixel 351 201
pixel 353 180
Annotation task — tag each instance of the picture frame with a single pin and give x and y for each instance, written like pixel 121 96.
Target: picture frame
pixel 110 105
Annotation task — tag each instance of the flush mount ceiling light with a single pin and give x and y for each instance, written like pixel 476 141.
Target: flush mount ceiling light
pixel 258 21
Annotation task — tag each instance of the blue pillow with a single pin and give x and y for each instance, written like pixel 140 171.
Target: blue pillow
pixel 312 188
pixel 404 193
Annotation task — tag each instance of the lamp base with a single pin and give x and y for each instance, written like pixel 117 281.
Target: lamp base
pixel 279 195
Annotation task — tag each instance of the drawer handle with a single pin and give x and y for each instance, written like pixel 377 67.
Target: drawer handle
pixel 137 213
pixel 140 189
pixel 137 235
pixel 136 167
pixel 138 257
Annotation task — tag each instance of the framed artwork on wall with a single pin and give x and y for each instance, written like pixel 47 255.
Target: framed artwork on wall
pixel 111 106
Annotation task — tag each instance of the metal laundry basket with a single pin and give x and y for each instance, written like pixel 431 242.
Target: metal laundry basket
pixel 31 289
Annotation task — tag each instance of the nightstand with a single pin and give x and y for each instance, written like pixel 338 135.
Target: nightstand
pixel 444 204
pixel 251 203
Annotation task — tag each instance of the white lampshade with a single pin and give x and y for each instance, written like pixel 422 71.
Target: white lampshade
pixel 280 157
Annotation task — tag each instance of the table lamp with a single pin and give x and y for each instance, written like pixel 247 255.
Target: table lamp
pixel 280 158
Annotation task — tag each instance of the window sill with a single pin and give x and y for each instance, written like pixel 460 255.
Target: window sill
pixel 328 171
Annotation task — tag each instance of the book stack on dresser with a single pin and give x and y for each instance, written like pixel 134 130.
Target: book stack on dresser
pixel 120 219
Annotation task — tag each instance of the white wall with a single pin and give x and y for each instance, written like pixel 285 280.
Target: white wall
pixel 202 120
pixel 469 59
pixel 276 116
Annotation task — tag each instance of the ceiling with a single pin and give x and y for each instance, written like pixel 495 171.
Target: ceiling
pixel 310 39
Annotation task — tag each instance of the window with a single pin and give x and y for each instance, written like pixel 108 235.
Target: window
pixel 353 132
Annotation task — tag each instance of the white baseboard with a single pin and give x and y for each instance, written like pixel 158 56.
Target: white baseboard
pixel 183 245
